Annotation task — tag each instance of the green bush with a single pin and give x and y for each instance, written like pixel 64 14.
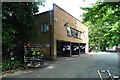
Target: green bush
pixel 9 65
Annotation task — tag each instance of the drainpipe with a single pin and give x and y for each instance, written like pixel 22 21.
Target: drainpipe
pixel 50 38
pixel 79 48
pixel 70 50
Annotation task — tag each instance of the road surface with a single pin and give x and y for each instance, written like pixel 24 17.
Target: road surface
pixel 83 66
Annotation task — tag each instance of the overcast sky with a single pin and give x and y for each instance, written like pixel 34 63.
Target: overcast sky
pixel 71 6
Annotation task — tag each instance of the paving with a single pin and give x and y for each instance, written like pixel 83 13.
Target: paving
pixel 82 66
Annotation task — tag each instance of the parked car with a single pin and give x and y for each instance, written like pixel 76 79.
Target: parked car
pixel 111 49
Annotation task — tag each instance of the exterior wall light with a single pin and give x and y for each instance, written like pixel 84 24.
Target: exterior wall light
pixel 66 24
pixel 55 19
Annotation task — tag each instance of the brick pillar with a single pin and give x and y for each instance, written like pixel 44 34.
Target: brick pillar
pixel 79 48
pixel 70 49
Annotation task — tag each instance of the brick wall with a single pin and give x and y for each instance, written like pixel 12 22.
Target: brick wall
pixel 41 37
pixel 60 31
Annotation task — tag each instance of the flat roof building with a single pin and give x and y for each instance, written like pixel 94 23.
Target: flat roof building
pixel 63 34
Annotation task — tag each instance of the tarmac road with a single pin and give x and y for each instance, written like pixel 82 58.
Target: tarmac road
pixel 83 66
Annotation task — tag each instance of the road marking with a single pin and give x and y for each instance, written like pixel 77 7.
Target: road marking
pixel 99 74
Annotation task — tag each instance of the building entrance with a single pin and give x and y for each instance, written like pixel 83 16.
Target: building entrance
pixel 82 48
pixel 63 49
pixel 75 48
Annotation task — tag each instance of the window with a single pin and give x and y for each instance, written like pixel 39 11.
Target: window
pixel 74 33
pixel 68 31
pixel 80 35
pixel 44 28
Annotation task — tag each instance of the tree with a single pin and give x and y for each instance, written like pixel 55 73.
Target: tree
pixel 104 24
pixel 17 22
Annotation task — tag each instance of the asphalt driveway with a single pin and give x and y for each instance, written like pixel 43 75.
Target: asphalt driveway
pixel 83 66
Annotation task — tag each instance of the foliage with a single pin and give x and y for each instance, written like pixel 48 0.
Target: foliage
pixel 104 24
pixel 9 65
pixel 17 21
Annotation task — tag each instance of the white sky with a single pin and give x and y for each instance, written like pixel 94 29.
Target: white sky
pixel 71 6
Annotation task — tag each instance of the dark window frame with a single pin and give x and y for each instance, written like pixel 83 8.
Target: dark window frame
pixel 45 28
pixel 74 33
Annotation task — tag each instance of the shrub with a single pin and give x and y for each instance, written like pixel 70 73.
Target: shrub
pixel 9 65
